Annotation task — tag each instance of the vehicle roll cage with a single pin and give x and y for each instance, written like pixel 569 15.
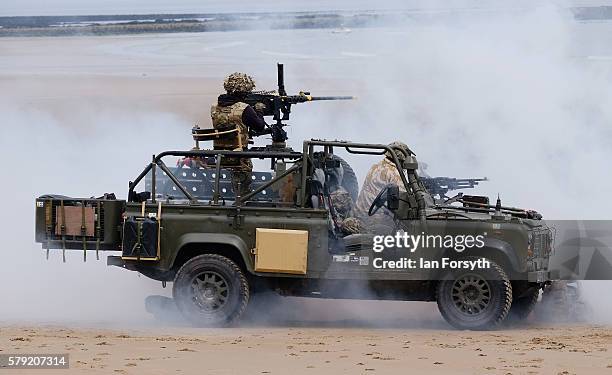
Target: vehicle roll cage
pixel 284 154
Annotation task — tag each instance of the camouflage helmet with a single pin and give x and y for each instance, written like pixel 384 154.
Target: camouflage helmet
pixel 238 83
pixel 401 151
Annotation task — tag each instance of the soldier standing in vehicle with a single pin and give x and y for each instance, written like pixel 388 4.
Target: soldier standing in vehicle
pixel 380 175
pixel 232 117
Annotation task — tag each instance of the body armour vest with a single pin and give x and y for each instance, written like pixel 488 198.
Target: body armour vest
pixel 229 119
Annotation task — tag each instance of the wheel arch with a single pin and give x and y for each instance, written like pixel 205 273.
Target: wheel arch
pixel 498 251
pixel 228 245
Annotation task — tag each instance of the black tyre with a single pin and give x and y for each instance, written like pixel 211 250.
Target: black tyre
pixel 349 180
pixel 211 291
pixel 475 300
pixel 523 306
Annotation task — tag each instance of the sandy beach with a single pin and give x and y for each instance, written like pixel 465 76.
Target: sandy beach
pixel 310 350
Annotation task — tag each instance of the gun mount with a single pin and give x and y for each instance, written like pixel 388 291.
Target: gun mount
pixel 441 185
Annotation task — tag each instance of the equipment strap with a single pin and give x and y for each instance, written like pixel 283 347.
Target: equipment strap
pixel 63 230
pixel 159 213
pixel 83 231
pixel 138 245
pixel 98 228
pixel 48 223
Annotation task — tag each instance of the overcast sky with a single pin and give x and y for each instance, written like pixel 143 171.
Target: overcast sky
pixel 81 7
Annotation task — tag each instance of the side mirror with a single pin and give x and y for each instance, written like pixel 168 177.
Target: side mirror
pixel 393 193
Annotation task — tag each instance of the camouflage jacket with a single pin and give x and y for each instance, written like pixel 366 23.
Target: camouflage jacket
pixel 380 175
pixel 229 119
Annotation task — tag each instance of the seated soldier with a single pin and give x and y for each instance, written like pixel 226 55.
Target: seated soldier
pixel 380 175
pixel 342 205
pixel 196 162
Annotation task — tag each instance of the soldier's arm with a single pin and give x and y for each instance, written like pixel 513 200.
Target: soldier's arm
pixel 391 175
pixel 253 120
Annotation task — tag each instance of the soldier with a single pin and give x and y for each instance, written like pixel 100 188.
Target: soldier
pixel 196 162
pixel 342 203
pixel 233 117
pixel 344 209
pixel 380 175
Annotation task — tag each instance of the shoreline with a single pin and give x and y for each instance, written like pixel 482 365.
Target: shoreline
pixel 342 21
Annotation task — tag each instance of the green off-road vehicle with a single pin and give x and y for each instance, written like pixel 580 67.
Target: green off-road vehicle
pixel 481 263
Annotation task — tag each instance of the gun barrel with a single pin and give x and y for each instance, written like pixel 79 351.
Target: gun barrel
pixel 332 97
pixel 471 179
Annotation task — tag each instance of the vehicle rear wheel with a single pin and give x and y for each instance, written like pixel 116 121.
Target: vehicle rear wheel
pixel 211 290
pixel 476 299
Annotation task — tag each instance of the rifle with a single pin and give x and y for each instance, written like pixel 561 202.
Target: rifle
pixel 278 104
pixel 442 185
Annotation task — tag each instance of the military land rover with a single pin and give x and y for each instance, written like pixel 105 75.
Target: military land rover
pixel 187 226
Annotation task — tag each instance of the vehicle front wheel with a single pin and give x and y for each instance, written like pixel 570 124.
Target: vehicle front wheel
pixel 211 290
pixel 478 299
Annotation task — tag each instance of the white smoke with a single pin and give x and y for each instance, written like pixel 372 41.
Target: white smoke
pixel 519 96
pixel 41 155
pixel 507 95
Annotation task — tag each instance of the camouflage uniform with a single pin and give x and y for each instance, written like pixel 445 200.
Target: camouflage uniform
pixel 342 202
pixel 345 209
pixel 196 161
pixel 229 118
pixel 380 175
pixel 352 225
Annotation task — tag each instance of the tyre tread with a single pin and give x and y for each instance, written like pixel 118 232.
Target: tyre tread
pixel 505 305
pixel 243 283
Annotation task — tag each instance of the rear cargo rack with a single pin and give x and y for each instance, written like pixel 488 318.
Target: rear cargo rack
pixel 78 223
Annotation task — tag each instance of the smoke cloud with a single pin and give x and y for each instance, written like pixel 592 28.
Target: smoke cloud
pixel 520 96
pixel 41 155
